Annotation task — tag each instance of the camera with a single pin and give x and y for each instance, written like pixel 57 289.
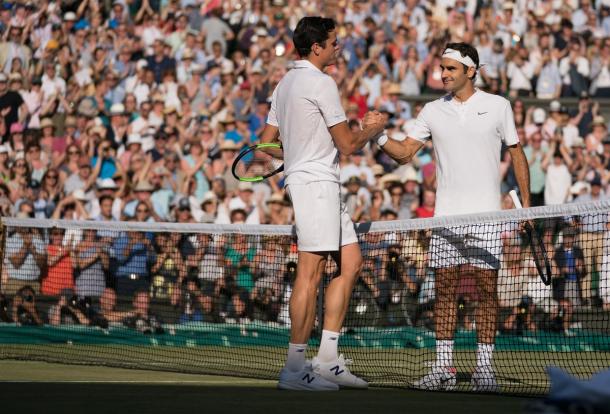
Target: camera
pixel 393 256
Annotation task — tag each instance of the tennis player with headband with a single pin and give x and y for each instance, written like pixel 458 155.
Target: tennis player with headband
pixel 306 113
pixel 467 128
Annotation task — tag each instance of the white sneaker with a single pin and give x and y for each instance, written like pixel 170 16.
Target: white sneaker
pixel 439 378
pixel 304 380
pixel 338 373
pixel 484 380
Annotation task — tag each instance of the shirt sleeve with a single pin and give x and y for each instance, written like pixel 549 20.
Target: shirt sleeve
pixel 508 131
pixel 420 130
pixel 329 102
pixel 272 115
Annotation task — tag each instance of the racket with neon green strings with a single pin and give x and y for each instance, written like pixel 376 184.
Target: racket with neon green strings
pixel 258 162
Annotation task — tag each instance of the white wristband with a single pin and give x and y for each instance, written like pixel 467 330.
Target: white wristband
pixel 382 140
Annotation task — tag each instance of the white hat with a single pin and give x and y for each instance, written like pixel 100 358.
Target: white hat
pixel 209 196
pixel 80 195
pixel 4 149
pixel 539 116
pixel 245 186
pixel 411 175
pixel 134 139
pixel 554 106
pixel 141 64
pixel 70 16
pixel 106 184
pixel 117 109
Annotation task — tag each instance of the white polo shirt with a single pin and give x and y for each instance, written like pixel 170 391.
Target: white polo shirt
pixel 467 139
pixel 304 105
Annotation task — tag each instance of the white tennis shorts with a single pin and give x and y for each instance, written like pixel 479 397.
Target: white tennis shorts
pixel 322 222
pixel 479 245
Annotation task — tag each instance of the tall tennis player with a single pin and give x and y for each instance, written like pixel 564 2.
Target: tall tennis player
pixel 307 115
pixel 467 128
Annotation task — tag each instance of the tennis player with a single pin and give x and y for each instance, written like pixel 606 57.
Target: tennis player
pixel 307 114
pixel 467 128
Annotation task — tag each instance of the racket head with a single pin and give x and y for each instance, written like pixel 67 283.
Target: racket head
pixel 257 163
pixel 539 253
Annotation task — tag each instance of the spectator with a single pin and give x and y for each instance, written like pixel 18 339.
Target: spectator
pixel 90 261
pixel 58 274
pixel 24 309
pixel 568 291
pixel 141 318
pixel 24 258
pixel 66 311
pixel 134 255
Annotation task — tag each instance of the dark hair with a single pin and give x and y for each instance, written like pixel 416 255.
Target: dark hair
pixel 310 30
pixel 466 50
pixel 106 197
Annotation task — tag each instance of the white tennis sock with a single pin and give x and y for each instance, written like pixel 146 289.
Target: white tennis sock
pixel 484 355
pixel 328 346
pixel 444 353
pixel 296 357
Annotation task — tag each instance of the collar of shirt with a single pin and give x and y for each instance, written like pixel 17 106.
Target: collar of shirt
pixel 305 64
pixel 467 101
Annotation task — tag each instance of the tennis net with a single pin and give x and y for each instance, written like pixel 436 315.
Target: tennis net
pixel 214 298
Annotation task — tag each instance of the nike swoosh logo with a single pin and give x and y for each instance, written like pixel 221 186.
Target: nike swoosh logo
pixel 481 113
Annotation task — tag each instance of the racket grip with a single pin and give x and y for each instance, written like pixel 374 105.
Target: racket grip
pixel 515 197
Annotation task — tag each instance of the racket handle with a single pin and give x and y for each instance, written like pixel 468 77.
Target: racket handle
pixel 515 197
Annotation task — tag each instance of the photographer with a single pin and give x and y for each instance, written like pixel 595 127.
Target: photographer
pixel 67 310
pixel 24 308
pixel 196 306
pixel 141 319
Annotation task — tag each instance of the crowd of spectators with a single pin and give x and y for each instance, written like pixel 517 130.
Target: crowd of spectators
pixel 134 110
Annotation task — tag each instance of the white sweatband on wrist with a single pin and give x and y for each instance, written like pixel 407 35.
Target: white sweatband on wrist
pixel 382 140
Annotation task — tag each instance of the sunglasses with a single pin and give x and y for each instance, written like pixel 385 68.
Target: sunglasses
pixel 142 210
pixel 73 152
pixel 20 164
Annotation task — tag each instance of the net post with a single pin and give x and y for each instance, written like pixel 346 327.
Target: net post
pixel 2 244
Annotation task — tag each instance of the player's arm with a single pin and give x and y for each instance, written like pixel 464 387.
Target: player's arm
pixel 271 135
pixel 401 151
pixel 348 142
pixel 522 172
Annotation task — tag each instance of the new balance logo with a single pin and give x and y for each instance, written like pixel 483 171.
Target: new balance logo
pixel 481 113
pixel 337 370
pixel 308 378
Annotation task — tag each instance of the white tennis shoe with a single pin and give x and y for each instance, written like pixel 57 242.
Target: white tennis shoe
pixel 304 380
pixel 338 373
pixel 484 380
pixel 438 379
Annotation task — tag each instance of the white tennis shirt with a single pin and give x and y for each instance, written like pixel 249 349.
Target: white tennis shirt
pixel 304 105
pixel 467 139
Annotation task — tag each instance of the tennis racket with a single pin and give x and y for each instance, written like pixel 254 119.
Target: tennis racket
pixel 258 162
pixel 536 244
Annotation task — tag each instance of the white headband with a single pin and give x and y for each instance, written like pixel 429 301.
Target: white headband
pixel 455 55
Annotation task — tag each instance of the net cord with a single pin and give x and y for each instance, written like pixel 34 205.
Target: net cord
pixel 575 209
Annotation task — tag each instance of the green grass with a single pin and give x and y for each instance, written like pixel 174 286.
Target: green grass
pixel 57 388
pixel 518 372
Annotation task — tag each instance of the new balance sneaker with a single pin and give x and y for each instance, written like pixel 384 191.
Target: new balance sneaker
pixel 438 379
pixel 484 380
pixel 304 380
pixel 338 373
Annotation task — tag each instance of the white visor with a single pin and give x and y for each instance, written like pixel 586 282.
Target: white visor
pixel 455 55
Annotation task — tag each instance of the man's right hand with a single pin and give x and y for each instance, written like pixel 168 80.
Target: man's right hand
pixel 374 120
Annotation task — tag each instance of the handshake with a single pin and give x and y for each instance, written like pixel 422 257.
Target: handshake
pixel 374 122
